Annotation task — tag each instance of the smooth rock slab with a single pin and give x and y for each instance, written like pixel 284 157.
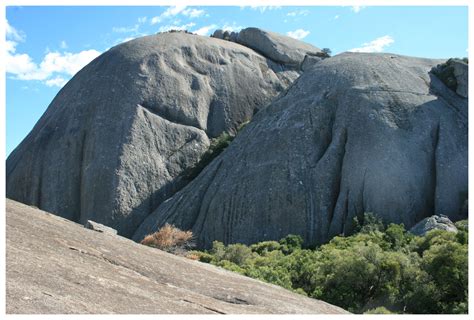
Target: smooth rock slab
pixel 55 266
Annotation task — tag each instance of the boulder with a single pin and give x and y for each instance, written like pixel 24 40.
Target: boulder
pixel 277 47
pixel 434 222
pixel 100 227
pixel 357 132
pixel 113 142
pixel 219 34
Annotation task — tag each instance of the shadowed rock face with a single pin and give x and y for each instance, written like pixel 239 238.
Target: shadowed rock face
pixel 355 133
pixel 55 266
pixel 114 140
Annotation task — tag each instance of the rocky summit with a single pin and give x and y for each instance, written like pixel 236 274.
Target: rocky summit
pixel 112 144
pixel 329 139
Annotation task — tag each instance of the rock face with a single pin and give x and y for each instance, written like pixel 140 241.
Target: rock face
pixel 355 133
pixel 435 222
pixel 277 47
pixel 113 142
pixel 55 266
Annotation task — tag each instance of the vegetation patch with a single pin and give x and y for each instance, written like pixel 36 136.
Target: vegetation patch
pixel 170 239
pixel 378 269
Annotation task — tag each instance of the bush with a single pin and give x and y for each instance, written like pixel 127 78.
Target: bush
pixel 377 270
pixel 378 310
pixel 170 239
pixel 291 243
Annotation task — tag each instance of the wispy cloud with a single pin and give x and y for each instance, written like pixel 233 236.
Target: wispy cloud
pixel 298 34
pixel 231 27
pixel 261 8
pixel 176 27
pixel 52 70
pixel 142 20
pixel 56 82
pixel 174 11
pixel 377 45
pixel 357 9
pixel 298 13
pixel 126 29
pixel 204 31
pixel 193 13
pixel 336 17
pixel 63 45
pixel 14 34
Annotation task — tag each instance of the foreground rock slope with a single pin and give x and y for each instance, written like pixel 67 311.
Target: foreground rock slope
pixel 114 141
pixel 355 133
pixel 56 266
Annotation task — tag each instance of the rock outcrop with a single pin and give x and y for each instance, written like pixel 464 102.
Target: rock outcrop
pixel 355 133
pixel 282 49
pixel 114 141
pixel 55 266
pixel 435 222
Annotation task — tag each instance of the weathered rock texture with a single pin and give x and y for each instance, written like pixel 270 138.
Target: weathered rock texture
pixel 113 142
pixel 355 133
pixel 56 266
pixel 277 47
pixel 435 222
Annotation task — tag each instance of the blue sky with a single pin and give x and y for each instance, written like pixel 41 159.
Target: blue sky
pixel 47 45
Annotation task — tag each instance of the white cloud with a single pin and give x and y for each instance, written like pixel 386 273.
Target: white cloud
pixel 193 13
pixel 298 34
pixel 63 45
pixel 231 28
pixel 58 82
pixel 298 13
pixel 204 31
pixel 377 45
pixel 175 27
pixel 53 69
pixel 170 12
pixel 126 29
pixel 336 17
pixel 357 9
pixel 262 9
pixel 142 20
pixel 13 34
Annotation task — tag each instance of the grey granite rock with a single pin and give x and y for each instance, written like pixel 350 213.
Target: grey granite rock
pixel 113 142
pixel 435 222
pixel 461 72
pixel 219 34
pixel 277 47
pixel 355 133
pixel 100 227
pixel 54 266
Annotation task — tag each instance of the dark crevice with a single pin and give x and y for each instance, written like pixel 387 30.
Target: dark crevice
pixel 346 213
pixel 211 179
pixel 166 115
pixel 433 167
pixel 339 180
pixel 77 214
pixel 203 306
pixel 232 300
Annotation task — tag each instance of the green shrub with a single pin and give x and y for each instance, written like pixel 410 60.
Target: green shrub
pixel 262 248
pixel 291 243
pixel 377 270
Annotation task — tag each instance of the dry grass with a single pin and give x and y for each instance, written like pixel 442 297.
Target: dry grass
pixel 169 238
